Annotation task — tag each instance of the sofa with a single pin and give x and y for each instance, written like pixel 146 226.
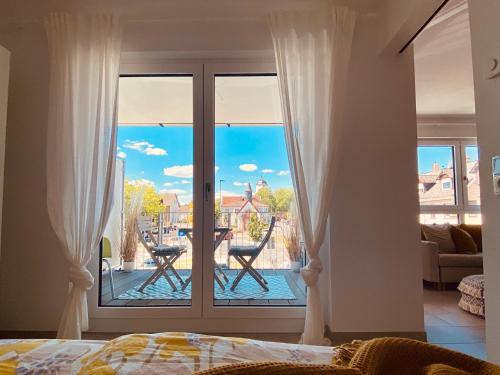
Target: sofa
pixel 449 262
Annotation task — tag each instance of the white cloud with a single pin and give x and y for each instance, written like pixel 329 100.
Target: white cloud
pixel 238 183
pixel 137 145
pixel 185 171
pixel 144 147
pixel 141 182
pixel 216 169
pixel 283 173
pixel 268 171
pixel 155 151
pixel 226 193
pixel 185 182
pixel 173 191
pixel 121 155
pixel 185 198
pixel 169 184
pixel 248 167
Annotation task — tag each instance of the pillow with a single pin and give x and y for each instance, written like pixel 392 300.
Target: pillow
pixel 475 231
pixel 464 243
pixel 441 235
pixel 278 368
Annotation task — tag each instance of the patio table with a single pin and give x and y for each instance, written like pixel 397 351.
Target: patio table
pixel 221 233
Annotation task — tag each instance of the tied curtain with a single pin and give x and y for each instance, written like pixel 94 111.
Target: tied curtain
pixel 312 50
pixel 84 58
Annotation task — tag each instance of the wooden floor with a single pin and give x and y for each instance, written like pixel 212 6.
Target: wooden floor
pixel 124 281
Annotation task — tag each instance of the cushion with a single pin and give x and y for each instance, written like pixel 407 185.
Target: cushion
pixel 475 231
pixel 461 260
pixel 278 368
pixel 441 235
pixel 464 243
pixel 243 250
pixel 167 250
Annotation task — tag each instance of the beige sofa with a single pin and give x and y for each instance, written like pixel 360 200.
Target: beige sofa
pixel 440 267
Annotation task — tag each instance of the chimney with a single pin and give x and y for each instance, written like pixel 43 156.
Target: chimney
pixel 436 168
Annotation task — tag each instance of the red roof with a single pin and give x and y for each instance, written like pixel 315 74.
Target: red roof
pixel 231 201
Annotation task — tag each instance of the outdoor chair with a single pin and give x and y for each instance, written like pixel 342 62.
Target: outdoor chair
pixel 246 255
pixel 164 256
pixel 106 257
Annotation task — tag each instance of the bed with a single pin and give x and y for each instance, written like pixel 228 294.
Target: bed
pixel 170 352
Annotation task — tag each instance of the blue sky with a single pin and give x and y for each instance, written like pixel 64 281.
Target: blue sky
pixel 164 157
pixel 442 155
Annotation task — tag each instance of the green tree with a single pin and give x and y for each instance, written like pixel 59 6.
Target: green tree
pixel 151 201
pixel 255 227
pixel 283 199
pixel 266 196
pixel 217 209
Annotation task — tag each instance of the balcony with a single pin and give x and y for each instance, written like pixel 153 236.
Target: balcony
pixel 285 287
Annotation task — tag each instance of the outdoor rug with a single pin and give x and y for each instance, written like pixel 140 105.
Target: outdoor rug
pixel 246 289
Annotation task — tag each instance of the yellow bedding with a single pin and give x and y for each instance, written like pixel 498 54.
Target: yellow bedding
pixel 167 353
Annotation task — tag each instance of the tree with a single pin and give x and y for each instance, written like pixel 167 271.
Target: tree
pixel 266 196
pixel 255 227
pixel 151 201
pixel 283 198
pixel 217 209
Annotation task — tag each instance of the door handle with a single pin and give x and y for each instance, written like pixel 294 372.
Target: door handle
pixel 207 191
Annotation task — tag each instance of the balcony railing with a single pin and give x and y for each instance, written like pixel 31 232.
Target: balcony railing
pixel 169 231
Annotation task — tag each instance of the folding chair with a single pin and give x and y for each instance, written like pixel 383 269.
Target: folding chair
pixel 106 257
pixel 164 256
pixel 240 253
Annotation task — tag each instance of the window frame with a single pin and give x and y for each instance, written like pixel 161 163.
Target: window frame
pixel 461 206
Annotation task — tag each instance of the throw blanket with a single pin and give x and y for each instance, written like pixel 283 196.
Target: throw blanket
pixel 384 356
pixel 398 356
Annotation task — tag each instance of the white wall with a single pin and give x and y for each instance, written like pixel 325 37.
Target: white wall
pixel 4 85
pixel 376 278
pixel 375 264
pixel 485 28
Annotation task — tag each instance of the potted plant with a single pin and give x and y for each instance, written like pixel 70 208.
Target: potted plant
pixel 133 208
pixel 292 245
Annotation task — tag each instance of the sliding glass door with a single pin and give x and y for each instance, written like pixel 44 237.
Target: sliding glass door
pixel 204 222
pixel 249 215
pixel 151 250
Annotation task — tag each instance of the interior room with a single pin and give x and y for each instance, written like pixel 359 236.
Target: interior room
pixel 203 186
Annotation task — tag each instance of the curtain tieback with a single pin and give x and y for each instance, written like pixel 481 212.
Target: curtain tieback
pixel 81 277
pixel 310 273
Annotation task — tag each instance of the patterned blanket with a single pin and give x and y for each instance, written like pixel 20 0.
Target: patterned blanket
pixel 171 352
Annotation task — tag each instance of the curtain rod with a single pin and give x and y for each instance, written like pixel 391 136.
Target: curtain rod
pixel 419 31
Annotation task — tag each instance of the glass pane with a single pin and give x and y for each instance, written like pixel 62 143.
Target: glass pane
pixel 436 175
pixel 438 218
pixel 148 246
pixel 473 218
pixel 254 260
pixel 472 170
pixel 247 100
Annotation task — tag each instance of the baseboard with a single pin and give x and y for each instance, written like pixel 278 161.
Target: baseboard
pixel 339 338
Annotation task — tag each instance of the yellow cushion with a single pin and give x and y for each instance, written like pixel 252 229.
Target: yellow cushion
pixel 106 248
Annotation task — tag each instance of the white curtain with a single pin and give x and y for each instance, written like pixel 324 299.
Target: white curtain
pixel 312 51
pixel 84 53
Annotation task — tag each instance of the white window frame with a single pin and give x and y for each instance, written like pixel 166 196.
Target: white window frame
pixel 461 208
pixel 202 315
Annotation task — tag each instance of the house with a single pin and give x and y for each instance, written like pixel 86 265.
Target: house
pixel 420 73
pixel 172 208
pixel 237 209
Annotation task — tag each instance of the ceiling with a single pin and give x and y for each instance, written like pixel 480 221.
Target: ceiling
pixel 443 64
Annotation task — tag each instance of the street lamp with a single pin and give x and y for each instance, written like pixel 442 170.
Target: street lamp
pixel 220 191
